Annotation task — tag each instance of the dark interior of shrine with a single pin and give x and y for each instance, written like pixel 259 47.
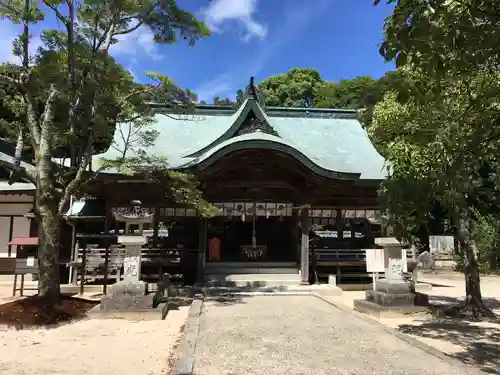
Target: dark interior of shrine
pixel 275 233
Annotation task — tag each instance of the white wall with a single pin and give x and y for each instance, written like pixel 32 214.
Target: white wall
pixel 15 206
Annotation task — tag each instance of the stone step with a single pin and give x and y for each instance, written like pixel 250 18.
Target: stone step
pixel 192 291
pixel 253 280
pixel 210 265
pixel 251 270
pixel 252 276
pixel 252 283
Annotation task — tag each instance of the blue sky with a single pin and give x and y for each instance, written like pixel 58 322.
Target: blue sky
pixel 339 38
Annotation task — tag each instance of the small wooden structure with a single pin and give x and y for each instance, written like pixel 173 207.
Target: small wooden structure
pixel 24 263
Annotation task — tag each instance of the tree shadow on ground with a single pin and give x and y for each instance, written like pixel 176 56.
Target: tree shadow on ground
pixel 434 285
pixel 492 303
pixel 478 341
pixel 227 299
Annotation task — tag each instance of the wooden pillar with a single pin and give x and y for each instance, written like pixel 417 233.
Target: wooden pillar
pixel 305 223
pixel 202 249
pixel 11 232
pixel 156 223
pixel 295 235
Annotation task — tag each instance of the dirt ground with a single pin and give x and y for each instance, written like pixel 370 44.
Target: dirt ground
pixel 476 343
pixel 92 347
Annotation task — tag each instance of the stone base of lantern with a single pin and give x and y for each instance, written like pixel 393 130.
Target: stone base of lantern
pixel 127 299
pixel 127 295
pixel 392 297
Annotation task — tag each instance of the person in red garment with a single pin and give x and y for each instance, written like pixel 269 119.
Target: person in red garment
pixel 214 249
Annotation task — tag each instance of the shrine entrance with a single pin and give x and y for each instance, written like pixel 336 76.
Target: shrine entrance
pixel 247 232
pixel 258 184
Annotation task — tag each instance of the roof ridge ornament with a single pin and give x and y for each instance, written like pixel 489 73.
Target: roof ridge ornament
pixel 251 91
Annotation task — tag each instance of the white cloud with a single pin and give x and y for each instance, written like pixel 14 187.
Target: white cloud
pixel 211 89
pixel 296 20
pixel 136 43
pixel 220 12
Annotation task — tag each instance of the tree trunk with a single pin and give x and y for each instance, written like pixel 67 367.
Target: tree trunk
pixel 474 303
pixel 48 251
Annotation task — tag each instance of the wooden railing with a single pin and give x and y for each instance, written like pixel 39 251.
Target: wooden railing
pixel 326 259
pixel 342 256
pixel 154 262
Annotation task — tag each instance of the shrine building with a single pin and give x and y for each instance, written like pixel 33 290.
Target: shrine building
pixel 278 177
pixel 295 189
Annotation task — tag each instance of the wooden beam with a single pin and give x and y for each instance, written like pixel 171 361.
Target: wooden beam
pixel 305 223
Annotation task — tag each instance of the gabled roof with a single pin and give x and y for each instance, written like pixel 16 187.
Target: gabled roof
pixel 7 162
pixel 330 142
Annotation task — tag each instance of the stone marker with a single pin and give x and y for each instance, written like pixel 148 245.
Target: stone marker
pixel 392 292
pixel 131 293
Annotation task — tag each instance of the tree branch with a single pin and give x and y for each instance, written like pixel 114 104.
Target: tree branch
pixel 58 14
pixel 128 31
pixel 77 180
pixel 48 112
pixel 141 19
pixel 32 122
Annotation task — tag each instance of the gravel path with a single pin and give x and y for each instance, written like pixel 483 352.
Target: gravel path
pixel 302 335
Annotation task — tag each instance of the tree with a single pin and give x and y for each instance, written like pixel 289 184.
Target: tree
pixel 438 141
pixel 218 101
pixel 296 88
pixel 454 44
pixel 70 92
pixel 444 37
pixel 348 93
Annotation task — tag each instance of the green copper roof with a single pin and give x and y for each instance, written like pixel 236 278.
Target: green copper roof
pixel 330 142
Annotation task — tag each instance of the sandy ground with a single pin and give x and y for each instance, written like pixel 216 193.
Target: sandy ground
pixel 145 345
pixel 93 347
pixel 476 343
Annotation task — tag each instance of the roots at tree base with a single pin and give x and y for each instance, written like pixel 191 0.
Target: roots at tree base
pixel 476 309
pixel 471 309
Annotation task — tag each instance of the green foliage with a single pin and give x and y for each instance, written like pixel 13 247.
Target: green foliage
pixel 436 141
pixel 296 88
pixel 443 37
pixel 219 101
pixel 348 93
pixel 305 88
pixel 440 145
pixel 486 236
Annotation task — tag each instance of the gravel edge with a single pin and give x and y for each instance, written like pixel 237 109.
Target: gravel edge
pixel 184 354
pixel 402 336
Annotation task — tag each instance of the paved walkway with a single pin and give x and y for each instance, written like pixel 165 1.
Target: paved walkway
pixel 302 335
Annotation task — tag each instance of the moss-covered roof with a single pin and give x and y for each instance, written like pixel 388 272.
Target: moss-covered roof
pixel 330 142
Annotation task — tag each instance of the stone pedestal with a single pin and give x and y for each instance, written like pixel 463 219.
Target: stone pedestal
pixel 392 293
pixel 127 295
pixel 131 292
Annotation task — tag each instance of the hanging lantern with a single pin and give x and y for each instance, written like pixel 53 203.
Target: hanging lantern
pixel 243 216
pixel 268 214
pixel 260 208
pixel 281 208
